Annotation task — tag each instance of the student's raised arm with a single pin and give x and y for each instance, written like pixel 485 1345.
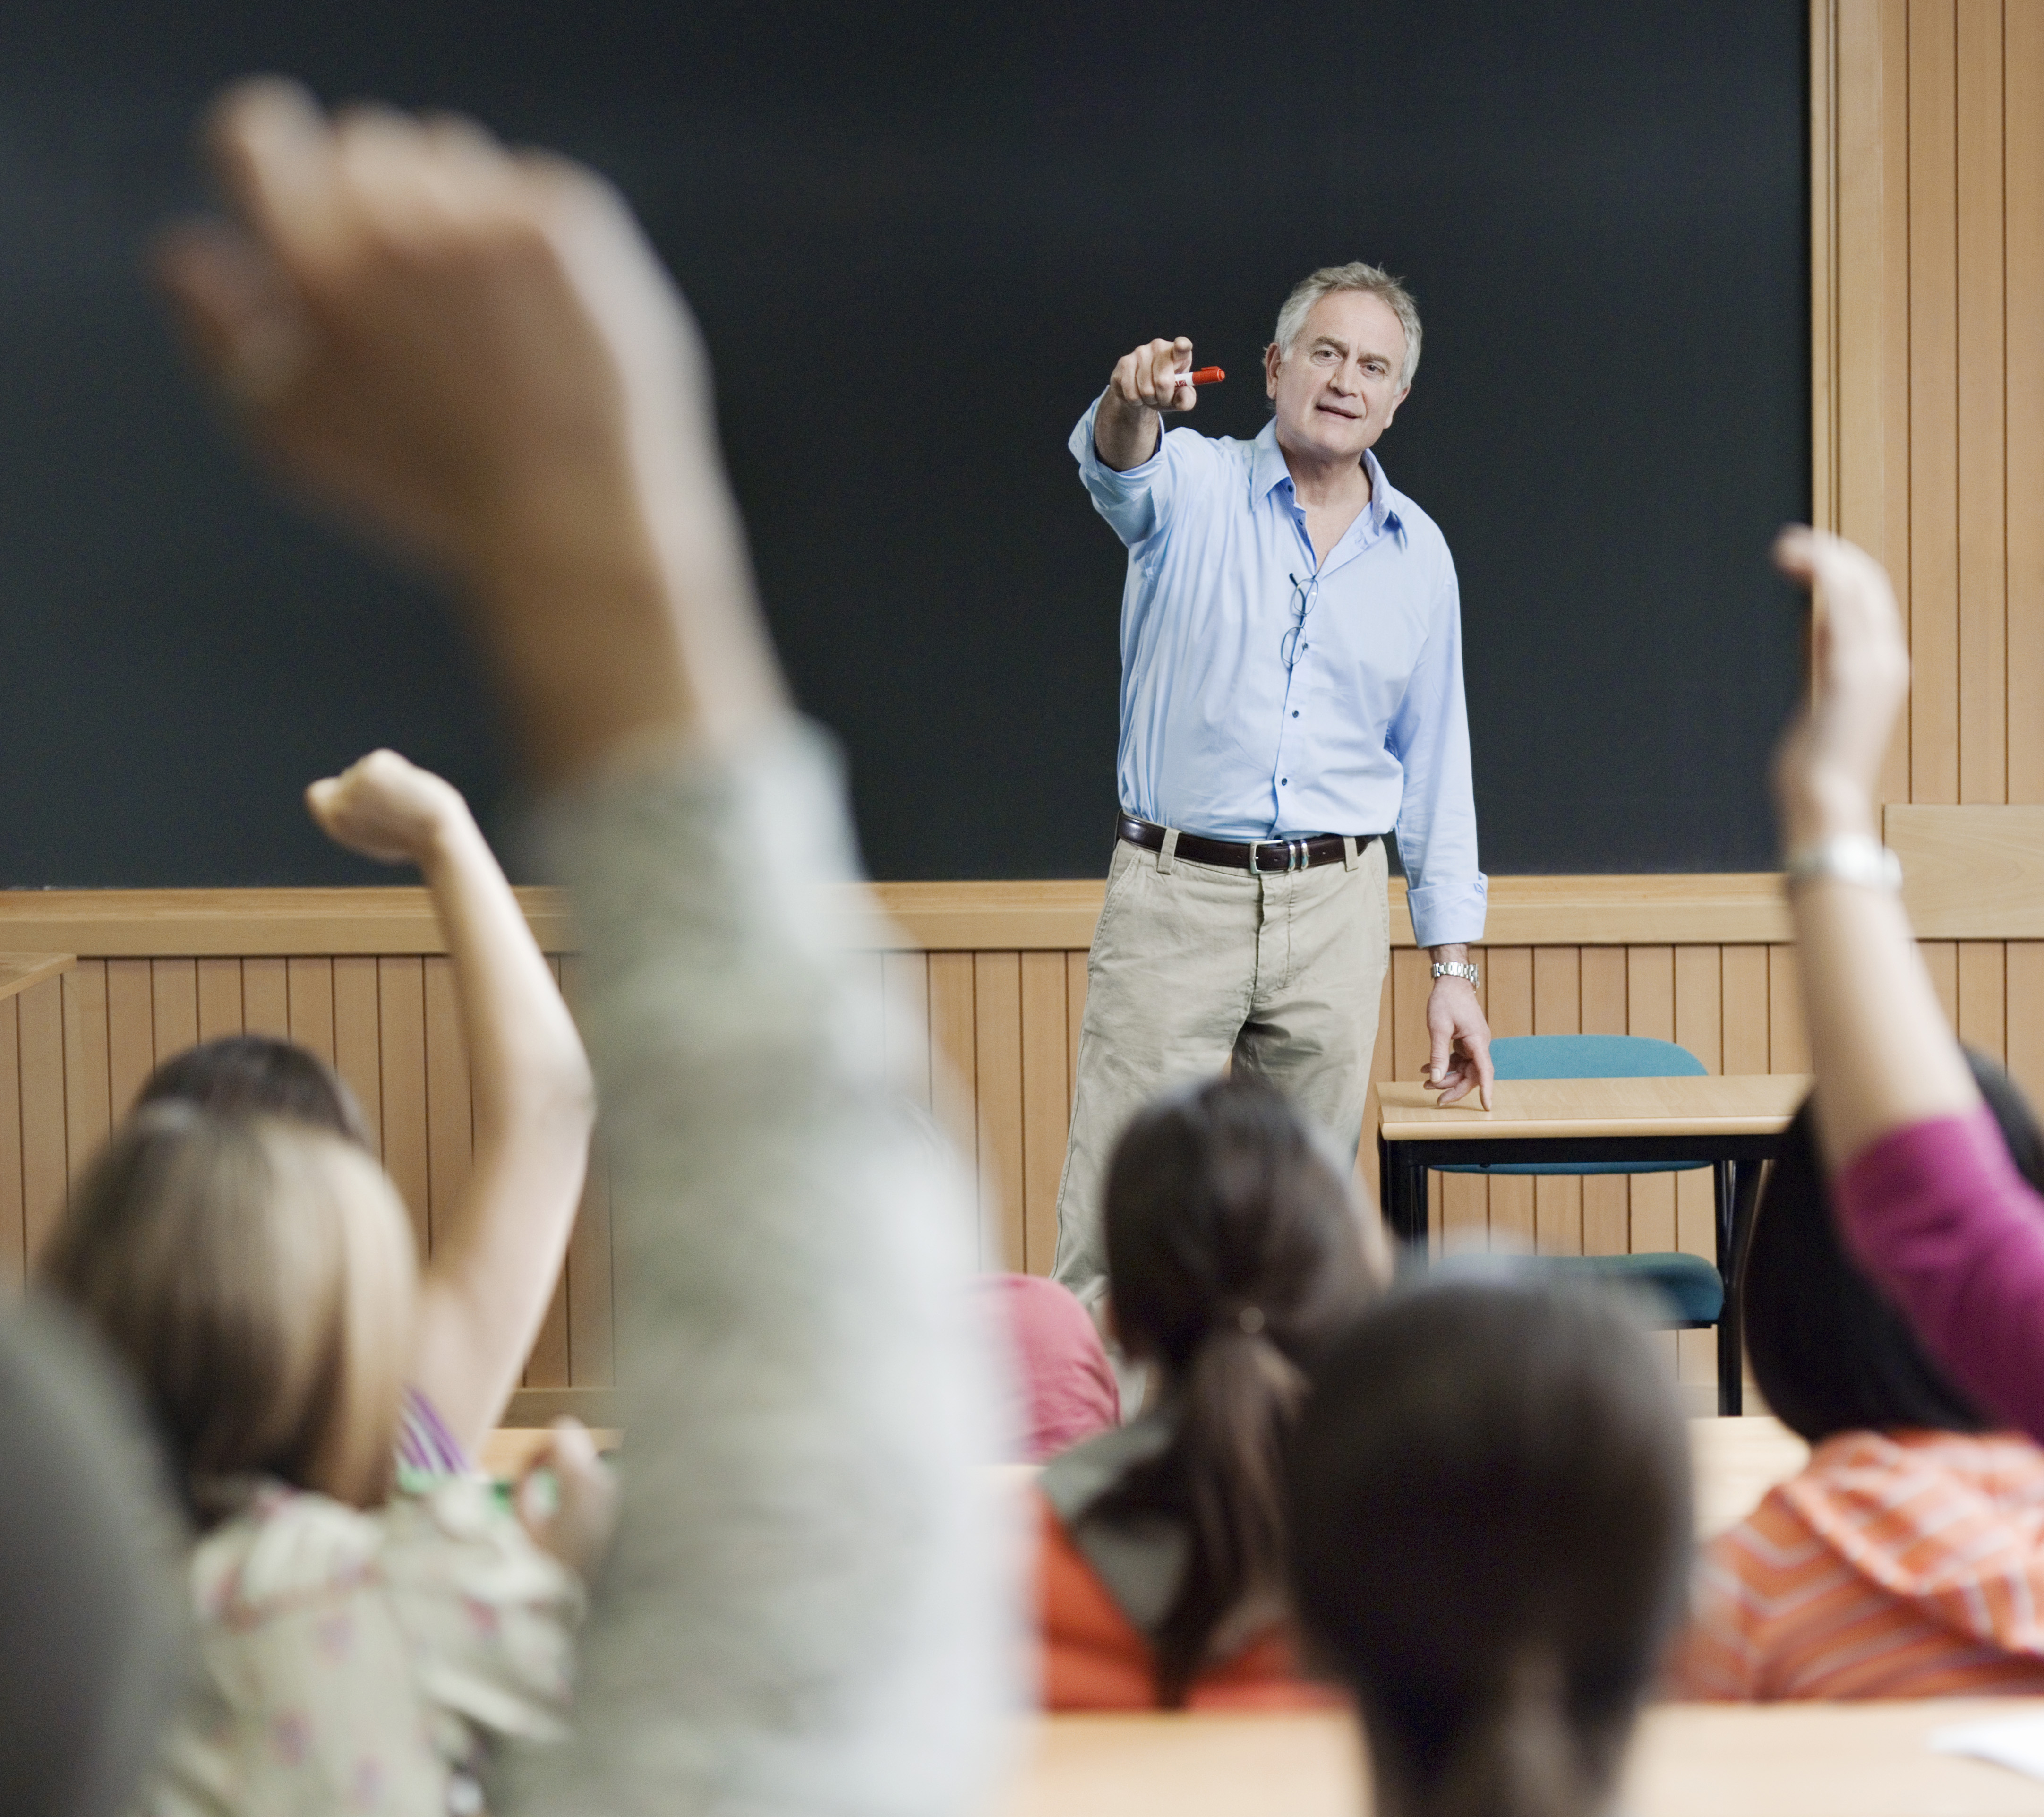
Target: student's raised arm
pixel 485 1292
pixel 474 355
pixel 1924 1190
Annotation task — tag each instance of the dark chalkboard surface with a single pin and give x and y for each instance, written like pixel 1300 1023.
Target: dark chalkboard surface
pixel 917 238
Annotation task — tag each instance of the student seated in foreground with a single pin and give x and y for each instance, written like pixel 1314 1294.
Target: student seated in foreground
pixel 1491 1539
pixel 497 1253
pixel 1234 1250
pixel 91 1601
pixel 1906 1558
pixel 1064 1385
pixel 475 356
pixel 355 1653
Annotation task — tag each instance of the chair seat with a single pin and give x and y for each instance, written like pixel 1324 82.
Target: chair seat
pixel 1688 1288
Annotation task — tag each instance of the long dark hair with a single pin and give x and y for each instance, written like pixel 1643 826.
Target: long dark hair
pixel 1829 1353
pixel 1234 1250
pixel 258 1075
pixel 1491 1535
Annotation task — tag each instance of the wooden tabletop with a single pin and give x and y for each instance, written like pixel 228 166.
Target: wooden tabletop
pixel 1736 1461
pixel 1689 1759
pixel 1744 1104
pixel 19 971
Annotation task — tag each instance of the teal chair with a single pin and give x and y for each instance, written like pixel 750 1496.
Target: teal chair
pixel 1692 1294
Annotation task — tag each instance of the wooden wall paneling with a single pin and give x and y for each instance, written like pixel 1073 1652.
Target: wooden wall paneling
pixel 1983 554
pixel 45 1142
pixel 1827 100
pixel 219 998
pixel 1075 996
pixel 955 1074
pixel 266 997
pixel 2024 964
pixel 1557 1009
pixel 357 1040
pixel 1983 996
pixel 1046 1104
pixel 400 1046
pixel 309 983
pixel 1746 1009
pixel 2022 199
pixel 1699 1027
pixel 13 1219
pixel 450 1117
pixel 1934 469
pixel 904 993
pixel 88 1107
pixel 547 1364
pixel 1941 959
pixel 1509 1010
pixel 1788 1035
pixel 1649 1007
pixel 131 1030
pixel 1607 1198
pixel 174 993
pixel 1891 270
pixel 997 984
pixel 592 1288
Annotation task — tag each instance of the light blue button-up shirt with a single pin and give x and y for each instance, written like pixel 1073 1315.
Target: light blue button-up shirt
pixel 1365 733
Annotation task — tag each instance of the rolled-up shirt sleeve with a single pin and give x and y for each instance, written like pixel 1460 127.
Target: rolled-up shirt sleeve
pixel 1137 503
pixel 1429 736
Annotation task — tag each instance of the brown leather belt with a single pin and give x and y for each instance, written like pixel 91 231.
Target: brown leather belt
pixel 1254 855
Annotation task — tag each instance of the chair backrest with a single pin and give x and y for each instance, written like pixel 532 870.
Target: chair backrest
pixel 1592 1057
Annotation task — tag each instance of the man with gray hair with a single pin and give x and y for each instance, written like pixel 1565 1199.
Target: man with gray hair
pixel 1291 691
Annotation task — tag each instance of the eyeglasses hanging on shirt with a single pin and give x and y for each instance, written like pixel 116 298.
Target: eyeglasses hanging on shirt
pixel 1304 593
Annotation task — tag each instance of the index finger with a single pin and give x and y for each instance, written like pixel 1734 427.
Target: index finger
pixel 274 153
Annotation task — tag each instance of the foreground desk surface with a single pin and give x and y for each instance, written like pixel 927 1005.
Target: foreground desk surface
pixel 1750 1104
pixel 1693 1760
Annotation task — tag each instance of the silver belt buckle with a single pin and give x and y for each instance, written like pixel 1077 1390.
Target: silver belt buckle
pixel 1295 852
pixel 1255 869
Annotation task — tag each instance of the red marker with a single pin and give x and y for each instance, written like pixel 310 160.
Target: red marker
pixel 1205 375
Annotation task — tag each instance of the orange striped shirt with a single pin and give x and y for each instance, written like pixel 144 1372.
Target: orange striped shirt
pixel 1895 1564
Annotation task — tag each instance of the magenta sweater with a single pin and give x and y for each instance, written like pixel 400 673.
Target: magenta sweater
pixel 1937 1215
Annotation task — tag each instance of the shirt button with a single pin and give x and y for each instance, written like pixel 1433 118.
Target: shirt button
pixel 1295 712
pixel 1282 780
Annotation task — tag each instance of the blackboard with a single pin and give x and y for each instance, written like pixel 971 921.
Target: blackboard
pixel 917 237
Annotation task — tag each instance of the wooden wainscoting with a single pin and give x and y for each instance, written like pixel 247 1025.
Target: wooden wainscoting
pixel 1003 1015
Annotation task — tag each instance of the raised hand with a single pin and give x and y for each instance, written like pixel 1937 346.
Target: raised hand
pixel 1827 766
pixel 1157 376
pixel 387 808
pixel 474 355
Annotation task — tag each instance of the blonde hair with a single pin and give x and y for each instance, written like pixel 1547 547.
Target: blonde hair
pixel 259 1275
pixel 1356 275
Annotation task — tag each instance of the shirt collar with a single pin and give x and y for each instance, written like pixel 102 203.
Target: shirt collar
pixel 1269 470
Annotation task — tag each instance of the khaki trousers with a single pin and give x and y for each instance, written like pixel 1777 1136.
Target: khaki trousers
pixel 1193 964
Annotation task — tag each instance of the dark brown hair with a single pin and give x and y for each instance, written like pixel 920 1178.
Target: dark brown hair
pixel 258 1075
pixel 1234 1250
pixel 1829 1353
pixel 1491 1537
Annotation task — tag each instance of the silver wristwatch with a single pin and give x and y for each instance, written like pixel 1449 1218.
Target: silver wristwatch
pixel 1457 968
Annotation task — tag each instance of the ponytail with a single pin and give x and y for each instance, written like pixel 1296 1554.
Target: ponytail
pixel 1235 1253
pixel 1223 1475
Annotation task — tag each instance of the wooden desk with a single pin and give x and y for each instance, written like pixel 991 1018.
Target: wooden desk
pixel 20 971
pixel 1736 1461
pixel 1689 1760
pixel 1730 1124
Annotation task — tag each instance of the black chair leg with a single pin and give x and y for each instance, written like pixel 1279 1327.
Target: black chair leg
pixel 1731 1359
